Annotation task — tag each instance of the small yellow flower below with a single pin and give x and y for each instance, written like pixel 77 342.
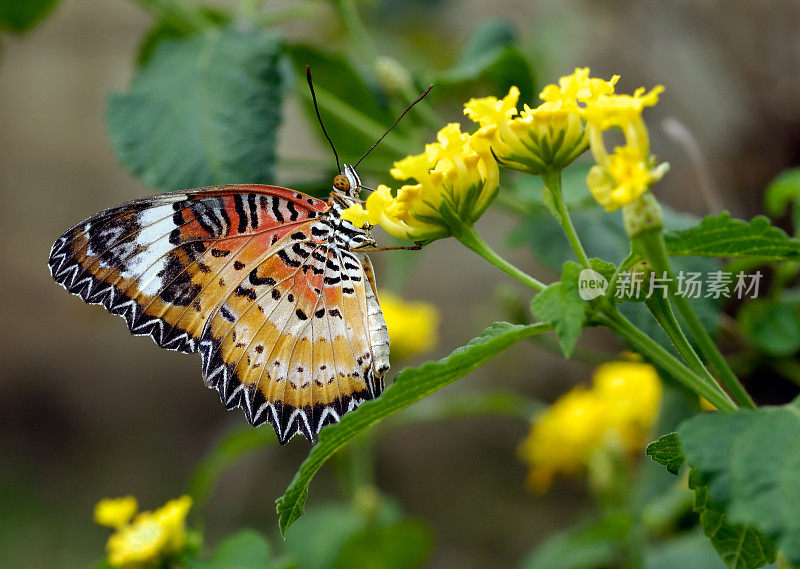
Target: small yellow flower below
pixel 622 404
pixel 150 537
pixel 412 325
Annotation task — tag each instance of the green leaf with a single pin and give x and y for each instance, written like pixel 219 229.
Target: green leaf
pixel 319 536
pixel 490 56
pixel 667 452
pixel 409 386
pixel 231 447
pixel 690 551
pixel 772 325
pixel 561 306
pixel 335 78
pixel 246 549
pixel 751 463
pixel 722 236
pixel 21 15
pixel 403 545
pixel 168 28
pixel 740 546
pixel 783 191
pixel 596 544
pixel 204 111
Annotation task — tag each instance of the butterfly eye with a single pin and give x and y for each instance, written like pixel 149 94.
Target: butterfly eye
pixel 341 183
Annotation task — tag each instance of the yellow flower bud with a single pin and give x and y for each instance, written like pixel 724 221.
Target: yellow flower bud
pixel 412 325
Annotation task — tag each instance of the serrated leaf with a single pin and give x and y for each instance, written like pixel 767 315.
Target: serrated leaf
pixel 667 452
pixel 410 385
pixel 561 306
pixel 402 545
pixel 204 111
pixel 751 462
pixel 721 236
pixel 22 15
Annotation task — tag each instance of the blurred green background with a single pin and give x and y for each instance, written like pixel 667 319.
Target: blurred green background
pixel 87 411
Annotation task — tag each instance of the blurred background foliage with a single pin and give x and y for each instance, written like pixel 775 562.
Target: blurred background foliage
pixel 86 411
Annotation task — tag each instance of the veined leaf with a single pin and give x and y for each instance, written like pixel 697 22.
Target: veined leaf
pixel 205 110
pixel 751 462
pixel 561 306
pixel 722 236
pixel 741 546
pixel 409 386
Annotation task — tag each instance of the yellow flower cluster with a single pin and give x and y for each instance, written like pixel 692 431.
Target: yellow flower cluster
pixel 150 537
pixel 571 119
pixel 412 325
pixel 621 406
pixel 456 178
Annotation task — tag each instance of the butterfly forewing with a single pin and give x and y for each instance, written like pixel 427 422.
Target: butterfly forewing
pixel 249 276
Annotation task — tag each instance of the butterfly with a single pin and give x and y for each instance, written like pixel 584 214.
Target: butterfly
pixel 266 283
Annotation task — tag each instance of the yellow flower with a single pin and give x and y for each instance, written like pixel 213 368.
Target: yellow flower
pixel 624 177
pixel 622 404
pixel 115 512
pixel 630 393
pixel 578 88
pixel 455 176
pixel 150 537
pixel 412 325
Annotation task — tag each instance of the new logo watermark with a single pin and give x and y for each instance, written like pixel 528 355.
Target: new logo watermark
pixel 591 284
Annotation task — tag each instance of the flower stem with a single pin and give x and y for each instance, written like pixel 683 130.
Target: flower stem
pixel 623 327
pixel 652 246
pixel 469 237
pixel 552 181
pixel 661 310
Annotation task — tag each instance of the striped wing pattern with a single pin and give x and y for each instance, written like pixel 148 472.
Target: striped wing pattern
pixel 286 321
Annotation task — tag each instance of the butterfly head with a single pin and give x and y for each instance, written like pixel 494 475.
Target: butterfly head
pixel 347 183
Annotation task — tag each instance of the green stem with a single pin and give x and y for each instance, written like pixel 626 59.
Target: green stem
pixel 661 310
pixel 552 181
pixel 654 249
pixel 623 327
pixel 469 237
pixel 356 30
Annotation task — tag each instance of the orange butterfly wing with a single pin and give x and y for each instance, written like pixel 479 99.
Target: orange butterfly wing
pixel 183 267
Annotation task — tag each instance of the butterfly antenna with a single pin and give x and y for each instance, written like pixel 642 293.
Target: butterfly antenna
pixel 319 118
pixel 408 108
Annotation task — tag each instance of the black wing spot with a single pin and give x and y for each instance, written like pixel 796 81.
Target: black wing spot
pixel 238 265
pixel 320 313
pixel 276 294
pixel 219 253
pixel 227 314
pixel 301 315
pixel 258 281
pixel 242 291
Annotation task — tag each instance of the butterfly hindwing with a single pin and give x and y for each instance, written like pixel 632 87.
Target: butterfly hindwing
pixel 293 344
pixel 250 277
